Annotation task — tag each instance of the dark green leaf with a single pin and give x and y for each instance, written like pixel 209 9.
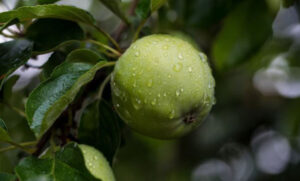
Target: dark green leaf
pixel 52 97
pixel 7 177
pixel 99 126
pixel 84 55
pixel 143 9
pixel 204 13
pixel 47 1
pixel 55 59
pixel 71 155
pixel 3 132
pixel 49 33
pixel 14 54
pixel 156 4
pixel 244 33
pixel 146 7
pixel 6 91
pixel 26 3
pixel 48 11
pixel 288 3
pixel 34 169
pixel 114 6
pixel 9 23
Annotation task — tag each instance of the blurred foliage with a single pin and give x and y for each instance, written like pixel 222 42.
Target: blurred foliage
pixel 253 47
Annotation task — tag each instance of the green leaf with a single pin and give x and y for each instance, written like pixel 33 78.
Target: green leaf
pixel 143 9
pixel 288 3
pixel 26 3
pixel 3 132
pixel 67 165
pixel 204 13
pixel 6 91
pixel 47 1
pixel 9 23
pixel 100 127
pixel 243 34
pixel 115 7
pixel 71 155
pixel 54 60
pixel 49 33
pixel 34 169
pixel 156 4
pixel 48 11
pixel 7 177
pixel 146 7
pixel 52 97
pixel 84 55
pixel 14 54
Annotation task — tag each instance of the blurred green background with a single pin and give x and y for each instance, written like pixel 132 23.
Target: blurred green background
pixel 252 132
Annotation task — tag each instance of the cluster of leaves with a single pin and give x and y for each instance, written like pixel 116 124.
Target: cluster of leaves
pixel 78 57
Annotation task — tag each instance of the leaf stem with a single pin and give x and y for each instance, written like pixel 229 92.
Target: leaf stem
pixel 115 52
pixel 137 33
pixel 17 110
pixel 8 36
pixel 21 146
pixel 113 41
pixel 101 89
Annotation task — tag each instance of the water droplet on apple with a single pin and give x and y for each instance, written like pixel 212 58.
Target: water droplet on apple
pixel 137 54
pixel 177 93
pixel 136 103
pixel 177 67
pixel 153 102
pixel 180 56
pixel 149 84
pixel 172 114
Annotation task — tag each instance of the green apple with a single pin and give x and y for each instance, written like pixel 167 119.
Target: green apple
pixel 96 163
pixel 162 86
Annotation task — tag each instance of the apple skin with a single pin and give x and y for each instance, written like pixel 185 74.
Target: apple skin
pixel 96 163
pixel 162 86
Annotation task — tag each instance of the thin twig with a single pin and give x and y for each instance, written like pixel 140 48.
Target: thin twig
pixel 101 89
pixel 17 110
pixel 21 146
pixel 137 33
pixel 7 35
pixel 12 147
pixel 113 41
pixel 123 25
pixel 105 46
pixel 28 65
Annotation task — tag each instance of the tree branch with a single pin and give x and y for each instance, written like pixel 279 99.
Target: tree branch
pixel 124 26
